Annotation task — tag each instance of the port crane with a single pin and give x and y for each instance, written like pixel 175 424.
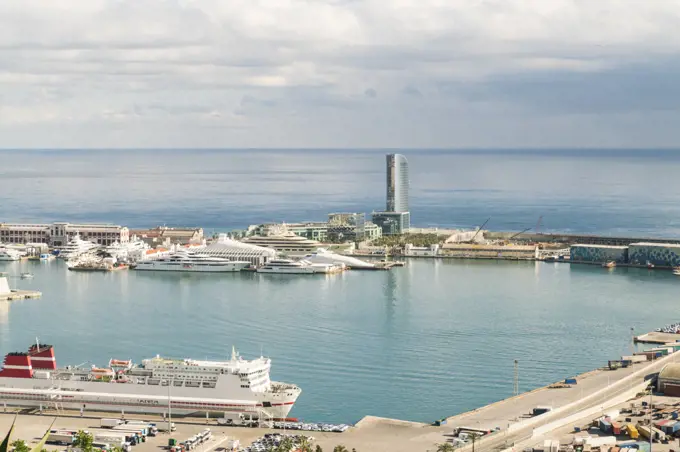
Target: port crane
pixel 478 230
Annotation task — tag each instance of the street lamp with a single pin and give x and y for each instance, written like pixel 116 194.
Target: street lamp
pixel 169 408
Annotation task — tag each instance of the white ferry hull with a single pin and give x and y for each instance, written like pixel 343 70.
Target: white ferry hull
pixel 135 398
pixel 226 268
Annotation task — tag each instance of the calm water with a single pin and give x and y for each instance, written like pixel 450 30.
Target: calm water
pixel 433 338
pixel 608 192
pixel 420 342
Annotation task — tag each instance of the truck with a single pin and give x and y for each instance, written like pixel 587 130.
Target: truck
pixel 110 423
pixel 152 429
pixel 163 427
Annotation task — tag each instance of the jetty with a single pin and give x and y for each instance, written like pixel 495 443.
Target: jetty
pixel 7 294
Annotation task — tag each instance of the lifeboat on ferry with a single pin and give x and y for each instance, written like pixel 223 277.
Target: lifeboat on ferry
pixel 98 373
pixel 120 363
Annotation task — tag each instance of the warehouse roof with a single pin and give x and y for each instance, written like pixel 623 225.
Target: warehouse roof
pixel 657 245
pixel 670 372
pixel 614 247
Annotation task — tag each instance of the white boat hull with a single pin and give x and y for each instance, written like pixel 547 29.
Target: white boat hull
pixel 289 271
pixel 199 268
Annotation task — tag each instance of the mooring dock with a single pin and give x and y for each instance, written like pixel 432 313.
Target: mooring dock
pixel 20 295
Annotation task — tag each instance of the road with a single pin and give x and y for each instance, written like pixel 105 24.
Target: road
pixel 504 439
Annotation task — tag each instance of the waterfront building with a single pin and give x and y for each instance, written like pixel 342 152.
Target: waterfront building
pixel 346 227
pixel 392 223
pixel 239 251
pixel 668 381
pixel 163 235
pixel 598 253
pixel 421 251
pixel 284 241
pixel 397 183
pixel 396 219
pixel 659 254
pixel 58 234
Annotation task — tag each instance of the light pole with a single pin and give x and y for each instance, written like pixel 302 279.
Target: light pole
pixel 169 410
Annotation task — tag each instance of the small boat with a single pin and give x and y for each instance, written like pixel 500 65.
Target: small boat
pixel 676 271
pixel 26 275
pixel 610 264
pixel 650 265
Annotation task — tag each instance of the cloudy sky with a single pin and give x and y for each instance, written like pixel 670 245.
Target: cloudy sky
pixel 339 73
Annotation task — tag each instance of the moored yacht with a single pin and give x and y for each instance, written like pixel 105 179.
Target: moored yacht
pixel 301 267
pixel 75 247
pixel 130 251
pixel 9 255
pixel 190 261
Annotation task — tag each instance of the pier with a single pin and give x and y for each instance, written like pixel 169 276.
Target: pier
pixel 7 294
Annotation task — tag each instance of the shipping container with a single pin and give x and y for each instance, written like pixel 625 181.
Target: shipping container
pixel 600 441
pixel 605 426
pixel 674 414
pixel 614 364
pixel 663 351
pixel 616 428
pixel 632 431
pixel 110 423
pixel 635 358
pixel 661 423
pixel 570 381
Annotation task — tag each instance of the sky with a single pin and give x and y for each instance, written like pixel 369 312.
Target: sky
pixel 339 73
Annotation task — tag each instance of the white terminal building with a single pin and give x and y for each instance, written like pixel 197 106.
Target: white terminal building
pixel 239 251
pixel 58 234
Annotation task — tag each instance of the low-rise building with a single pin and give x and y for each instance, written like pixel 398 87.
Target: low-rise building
pixel 170 236
pixel 658 254
pixel 58 234
pixel 494 251
pixel 421 251
pixel 392 223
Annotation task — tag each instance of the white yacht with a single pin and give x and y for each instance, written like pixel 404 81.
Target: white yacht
pixel 9 255
pixel 75 247
pixel 130 251
pixel 190 261
pixel 301 267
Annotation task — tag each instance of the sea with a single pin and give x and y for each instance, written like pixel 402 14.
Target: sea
pixel 428 340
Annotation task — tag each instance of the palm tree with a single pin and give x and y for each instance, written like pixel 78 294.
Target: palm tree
pixel 445 447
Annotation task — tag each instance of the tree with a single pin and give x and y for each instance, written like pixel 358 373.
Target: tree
pixel 304 445
pixel 20 446
pixel 340 448
pixel 83 441
pixel 318 449
pixel 445 447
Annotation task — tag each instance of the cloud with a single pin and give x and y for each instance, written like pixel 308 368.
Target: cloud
pixel 296 72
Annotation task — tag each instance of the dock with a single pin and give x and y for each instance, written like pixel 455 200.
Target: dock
pixel 20 295
pixel 7 294
pixel 657 337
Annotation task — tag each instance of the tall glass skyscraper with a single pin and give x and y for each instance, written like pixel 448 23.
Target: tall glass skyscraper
pixel 397 183
pixel 396 219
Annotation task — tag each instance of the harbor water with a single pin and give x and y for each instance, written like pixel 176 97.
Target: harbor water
pixel 433 338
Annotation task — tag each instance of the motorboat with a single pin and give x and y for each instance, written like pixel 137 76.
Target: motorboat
pixel 26 275
pixel 8 255
pixel 676 271
pixel 610 264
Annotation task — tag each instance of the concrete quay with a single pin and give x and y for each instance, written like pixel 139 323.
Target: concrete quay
pixel 594 390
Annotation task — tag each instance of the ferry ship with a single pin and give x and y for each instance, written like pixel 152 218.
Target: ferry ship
pixel 182 386
pixel 189 261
